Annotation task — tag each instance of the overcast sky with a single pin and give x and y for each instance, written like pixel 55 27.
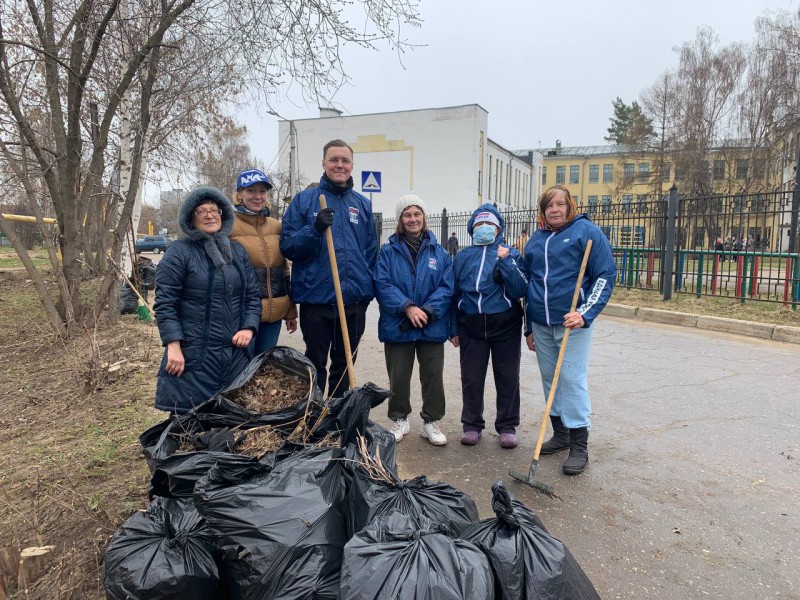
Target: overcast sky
pixel 543 69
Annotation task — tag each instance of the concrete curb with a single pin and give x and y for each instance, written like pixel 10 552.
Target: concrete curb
pixel 765 331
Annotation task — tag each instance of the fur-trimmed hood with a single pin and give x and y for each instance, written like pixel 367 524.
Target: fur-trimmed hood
pixel 217 246
pixel 198 196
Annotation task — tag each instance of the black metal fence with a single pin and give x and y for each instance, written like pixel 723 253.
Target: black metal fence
pixel 728 246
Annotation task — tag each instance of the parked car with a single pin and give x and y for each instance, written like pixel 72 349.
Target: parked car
pixel 153 243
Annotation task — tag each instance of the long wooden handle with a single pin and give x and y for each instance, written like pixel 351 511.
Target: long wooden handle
pixel 337 286
pixel 561 353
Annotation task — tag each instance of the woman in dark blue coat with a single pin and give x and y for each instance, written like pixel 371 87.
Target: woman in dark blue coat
pixel 208 304
pixel 414 287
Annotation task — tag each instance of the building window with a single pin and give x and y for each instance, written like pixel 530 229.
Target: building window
pixel 608 173
pixel 544 175
pixel 641 204
pixel 594 173
pixel 561 174
pixel 606 229
pixel 606 204
pixel 680 172
pixel 592 205
pixel 759 168
pixel 741 168
pixel 627 203
pixel 719 170
pixel 627 172
pixel 574 171
pixel 739 203
pixel 666 171
pixel 643 172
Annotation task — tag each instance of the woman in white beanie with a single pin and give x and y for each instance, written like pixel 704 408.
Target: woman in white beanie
pixel 414 287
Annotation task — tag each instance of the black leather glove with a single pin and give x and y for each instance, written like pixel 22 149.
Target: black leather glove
pixel 324 220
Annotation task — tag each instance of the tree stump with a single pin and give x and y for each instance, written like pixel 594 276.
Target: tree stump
pixel 32 563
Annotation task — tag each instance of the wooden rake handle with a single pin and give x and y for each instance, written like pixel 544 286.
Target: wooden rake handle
pixel 337 286
pixel 561 353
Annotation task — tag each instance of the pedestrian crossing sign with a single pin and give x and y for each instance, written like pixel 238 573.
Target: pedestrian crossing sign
pixel 370 181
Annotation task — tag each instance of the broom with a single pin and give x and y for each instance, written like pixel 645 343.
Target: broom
pixel 143 310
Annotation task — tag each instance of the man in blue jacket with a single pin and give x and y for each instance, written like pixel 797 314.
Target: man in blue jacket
pixel 349 214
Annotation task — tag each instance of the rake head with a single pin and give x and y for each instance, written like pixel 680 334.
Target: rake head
pixel 529 478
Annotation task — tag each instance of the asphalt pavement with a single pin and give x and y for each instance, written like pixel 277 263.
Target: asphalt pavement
pixel 693 485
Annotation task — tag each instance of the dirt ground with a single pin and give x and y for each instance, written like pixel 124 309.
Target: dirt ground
pixel 72 414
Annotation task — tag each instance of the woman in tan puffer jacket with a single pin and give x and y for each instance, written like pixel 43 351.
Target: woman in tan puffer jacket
pixel 260 234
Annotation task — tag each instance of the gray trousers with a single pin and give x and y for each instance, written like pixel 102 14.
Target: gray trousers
pixel 400 366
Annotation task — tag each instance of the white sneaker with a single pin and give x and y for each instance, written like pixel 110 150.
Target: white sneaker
pixel 399 429
pixel 433 433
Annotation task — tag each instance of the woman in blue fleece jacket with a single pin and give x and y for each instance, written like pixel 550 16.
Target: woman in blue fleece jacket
pixel 553 257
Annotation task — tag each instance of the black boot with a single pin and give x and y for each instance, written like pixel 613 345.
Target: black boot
pixel 560 439
pixel 578 451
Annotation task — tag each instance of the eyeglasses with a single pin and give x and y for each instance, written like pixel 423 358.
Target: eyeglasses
pixel 202 212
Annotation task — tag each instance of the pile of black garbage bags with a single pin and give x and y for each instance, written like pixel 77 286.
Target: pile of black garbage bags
pixel 310 522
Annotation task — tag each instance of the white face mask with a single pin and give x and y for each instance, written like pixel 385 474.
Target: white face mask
pixel 483 235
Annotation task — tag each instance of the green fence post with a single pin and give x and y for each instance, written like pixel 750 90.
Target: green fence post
pixel 700 262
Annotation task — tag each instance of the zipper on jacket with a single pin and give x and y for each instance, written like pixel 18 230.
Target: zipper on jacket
pixel 546 272
pixel 478 280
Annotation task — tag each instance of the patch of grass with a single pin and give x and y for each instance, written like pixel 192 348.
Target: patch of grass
pixel 761 312
pixel 9 259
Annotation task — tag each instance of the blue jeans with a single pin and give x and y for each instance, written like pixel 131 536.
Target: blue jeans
pixel 571 401
pixel 267 336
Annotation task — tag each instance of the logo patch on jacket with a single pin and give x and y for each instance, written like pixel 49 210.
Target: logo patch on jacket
pixel 353 212
pixel 432 264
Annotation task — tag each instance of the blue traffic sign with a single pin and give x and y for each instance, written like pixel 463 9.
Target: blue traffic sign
pixel 370 181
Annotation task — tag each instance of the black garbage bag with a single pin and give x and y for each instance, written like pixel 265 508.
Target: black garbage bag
pixel 165 552
pixel 415 498
pixel 527 561
pixel 176 476
pixel 281 533
pixel 289 361
pixel 396 558
pixel 163 439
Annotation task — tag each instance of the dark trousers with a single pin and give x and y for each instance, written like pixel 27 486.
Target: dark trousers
pixel 400 366
pixel 505 356
pixel 322 334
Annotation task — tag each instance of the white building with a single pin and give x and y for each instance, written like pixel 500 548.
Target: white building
pixel 443 155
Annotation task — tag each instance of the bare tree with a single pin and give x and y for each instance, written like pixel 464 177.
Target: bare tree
pixel 706 82
pixel 95 89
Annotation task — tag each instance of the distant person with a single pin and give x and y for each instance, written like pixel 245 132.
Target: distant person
pixel 349 214
pixel 414 288
pixel 719 247
pixel 260 234
pixel 489 282
pixel 143 276
pixel 207 306
pixel 452 245
pixel 751 243
pixel 522 241
pixel 553 258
